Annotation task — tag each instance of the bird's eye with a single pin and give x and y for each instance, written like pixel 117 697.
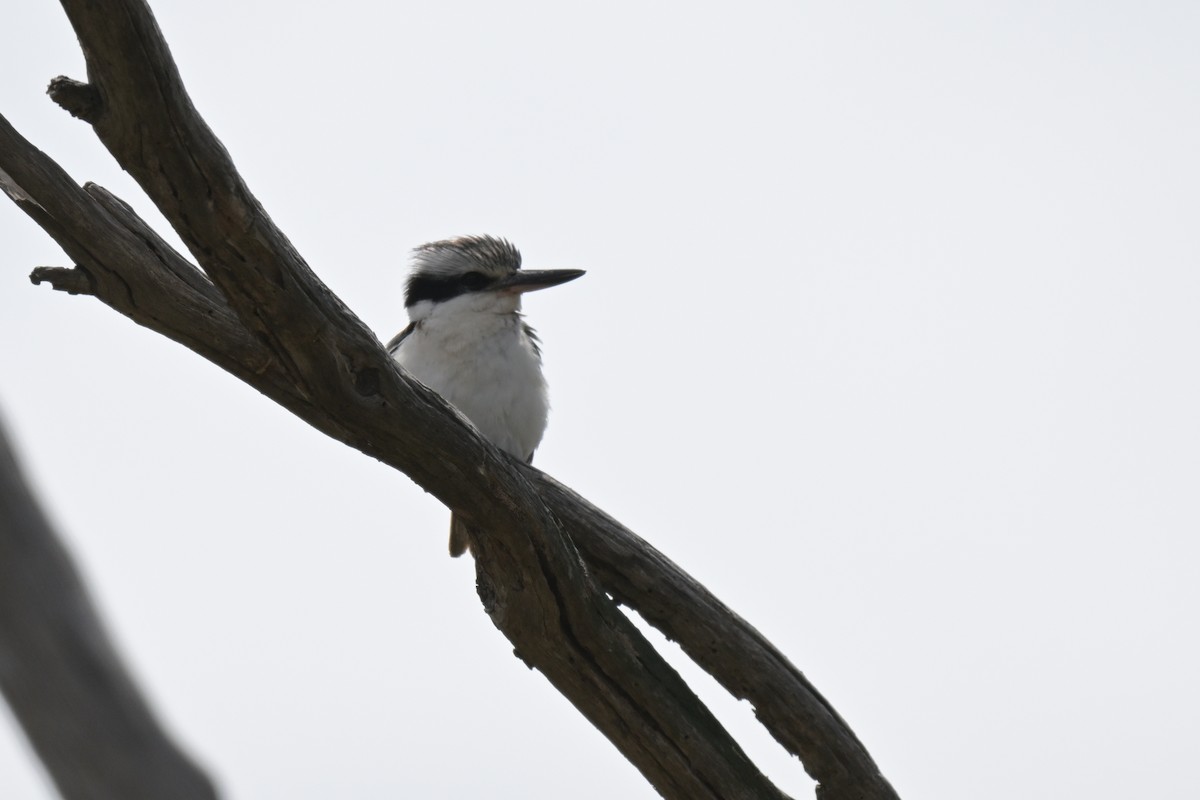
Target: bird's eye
pixel 474 280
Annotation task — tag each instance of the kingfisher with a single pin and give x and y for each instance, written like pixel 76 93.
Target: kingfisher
pixel 468 341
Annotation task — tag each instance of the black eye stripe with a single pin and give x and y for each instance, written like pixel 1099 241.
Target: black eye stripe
pixel 437 289
pixel 474 281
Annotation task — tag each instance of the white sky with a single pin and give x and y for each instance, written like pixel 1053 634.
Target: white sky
pixel 889 336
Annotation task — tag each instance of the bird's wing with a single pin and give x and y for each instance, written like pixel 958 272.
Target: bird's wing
pixel 394 344
pixel 534 340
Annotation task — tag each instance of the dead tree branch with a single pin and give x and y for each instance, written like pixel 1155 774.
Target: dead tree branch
pixel 258 311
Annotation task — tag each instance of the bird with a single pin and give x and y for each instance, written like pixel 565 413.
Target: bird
pixel 468 341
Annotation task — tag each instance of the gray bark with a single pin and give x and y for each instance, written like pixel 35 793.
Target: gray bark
pixel 548 561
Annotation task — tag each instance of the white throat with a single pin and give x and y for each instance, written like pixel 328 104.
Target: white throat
pixel 474 350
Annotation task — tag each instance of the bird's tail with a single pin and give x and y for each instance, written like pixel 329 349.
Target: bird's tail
pixel 460 536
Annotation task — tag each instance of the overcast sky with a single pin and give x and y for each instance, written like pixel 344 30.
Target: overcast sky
pixel 889 335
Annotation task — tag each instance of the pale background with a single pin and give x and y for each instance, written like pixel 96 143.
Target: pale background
pixel 889 336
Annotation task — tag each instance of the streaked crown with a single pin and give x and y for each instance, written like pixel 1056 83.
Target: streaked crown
pixel 487 254
pixel 447 268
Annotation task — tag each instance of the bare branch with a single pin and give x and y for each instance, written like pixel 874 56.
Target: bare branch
pixel 60 674
pixel 723 644
pixel 267 319
pixel 533 584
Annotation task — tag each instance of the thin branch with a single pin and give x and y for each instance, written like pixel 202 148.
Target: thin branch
pixel 62 677
pixel 722 643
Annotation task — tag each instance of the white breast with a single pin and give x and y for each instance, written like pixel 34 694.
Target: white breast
pixel 485 365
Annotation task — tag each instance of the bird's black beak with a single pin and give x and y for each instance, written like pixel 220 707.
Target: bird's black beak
pixel 531 280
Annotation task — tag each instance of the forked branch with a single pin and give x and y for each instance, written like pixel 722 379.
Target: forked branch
pixel 550 559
